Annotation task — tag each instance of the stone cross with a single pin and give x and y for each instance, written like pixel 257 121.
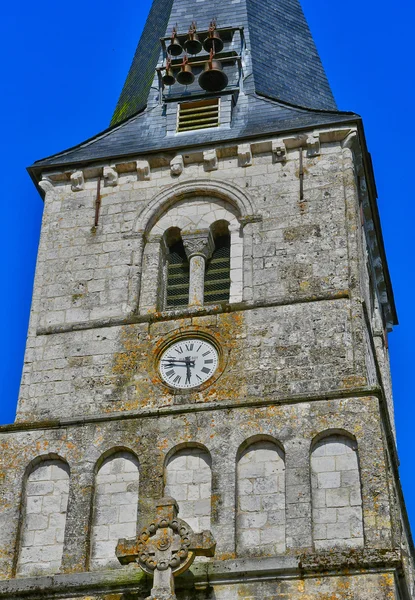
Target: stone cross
pixel 165 548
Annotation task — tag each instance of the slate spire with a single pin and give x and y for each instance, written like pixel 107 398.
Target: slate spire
pixel 278 85
pixel 285 64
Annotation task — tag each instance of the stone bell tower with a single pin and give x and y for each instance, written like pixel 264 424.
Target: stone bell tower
pixel 206 408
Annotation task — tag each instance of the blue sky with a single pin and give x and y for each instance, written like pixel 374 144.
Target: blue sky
pixel 62 70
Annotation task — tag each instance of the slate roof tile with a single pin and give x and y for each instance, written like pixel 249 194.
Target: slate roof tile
pixel 284 85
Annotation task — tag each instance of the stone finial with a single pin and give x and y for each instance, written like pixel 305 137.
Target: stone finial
pixel 110 176
pixel 245 155
pixel 279 151
pixel 177 165
pixel 77 181
pixel 166 547
pixel 313 145
pixel 143 170
pixel 198 243
pixel 210 159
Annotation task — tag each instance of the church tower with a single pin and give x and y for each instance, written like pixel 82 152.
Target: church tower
pixel 205 410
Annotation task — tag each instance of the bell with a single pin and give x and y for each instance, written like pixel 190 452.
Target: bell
pixel 185 75
pixel 213 79
pixel 193 45
pixel 168 77
pixel 213 41
pixel 175 48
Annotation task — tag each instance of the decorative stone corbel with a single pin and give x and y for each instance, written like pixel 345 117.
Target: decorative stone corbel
pixel 77 181
pixel 177 165
pixel 110 176
pixel 210 159
pixel 350 140
pixel 313 145
pixel 245 155
pixel 46 185
pixel 143 170
pixel 279 151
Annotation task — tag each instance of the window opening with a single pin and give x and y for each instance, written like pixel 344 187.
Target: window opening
pixel 217 275
pixel 178 276
pixel 198 115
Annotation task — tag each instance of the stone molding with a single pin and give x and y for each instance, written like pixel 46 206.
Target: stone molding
pixel 207 574
pixel 245 152
pixel 224 190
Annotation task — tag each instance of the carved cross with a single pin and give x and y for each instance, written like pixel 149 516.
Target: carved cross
pixel 165 548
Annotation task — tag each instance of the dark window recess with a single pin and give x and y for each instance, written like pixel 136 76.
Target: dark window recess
pixel 177 277
pixel 217 276
pixel 198 115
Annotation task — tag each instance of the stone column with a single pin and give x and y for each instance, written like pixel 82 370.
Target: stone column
pixel 151 274
pixel 236 263
pixel 199 246
pixel 76 542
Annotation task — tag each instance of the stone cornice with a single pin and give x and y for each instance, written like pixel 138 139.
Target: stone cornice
pixel 204 575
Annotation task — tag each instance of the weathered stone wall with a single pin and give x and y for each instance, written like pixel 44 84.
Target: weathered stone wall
pixel 156 438
pixel 115 508
pixel 260 509
pixel 336 494
pixel 302 356
pixel 305 348
pixel 188 479
pixel 43 519
pixel 295 251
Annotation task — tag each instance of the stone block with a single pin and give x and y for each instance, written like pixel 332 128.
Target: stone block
pixel 328 480
pixel 338 497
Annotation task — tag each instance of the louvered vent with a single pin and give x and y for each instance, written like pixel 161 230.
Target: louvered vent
pixel 177 277
pixel 217 276
pixel 198 115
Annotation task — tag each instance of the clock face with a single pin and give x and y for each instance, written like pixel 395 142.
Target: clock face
pixel 188 363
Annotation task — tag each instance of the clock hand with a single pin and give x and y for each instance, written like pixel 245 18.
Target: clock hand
pixel 183 360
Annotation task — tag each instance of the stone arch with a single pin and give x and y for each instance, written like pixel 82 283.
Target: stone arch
pixel 260 497
pixel 115 505
pixel 188 479
pixel 229 192
pixel 44 510
pixel 336 491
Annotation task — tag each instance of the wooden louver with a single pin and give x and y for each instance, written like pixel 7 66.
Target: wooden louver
pixel 198 115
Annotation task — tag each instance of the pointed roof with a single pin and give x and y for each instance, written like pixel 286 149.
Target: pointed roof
pixel 285 62
pixel 284 84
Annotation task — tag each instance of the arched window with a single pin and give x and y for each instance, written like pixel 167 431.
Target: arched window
pixel 176 271
pixel 336 494
pixel 188 479
pixel 260 520
pixel 217 274
pixel 44 519
pixel 115 508
pixel 193 255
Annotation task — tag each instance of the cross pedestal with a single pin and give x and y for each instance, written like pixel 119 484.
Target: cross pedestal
pixel 165 548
